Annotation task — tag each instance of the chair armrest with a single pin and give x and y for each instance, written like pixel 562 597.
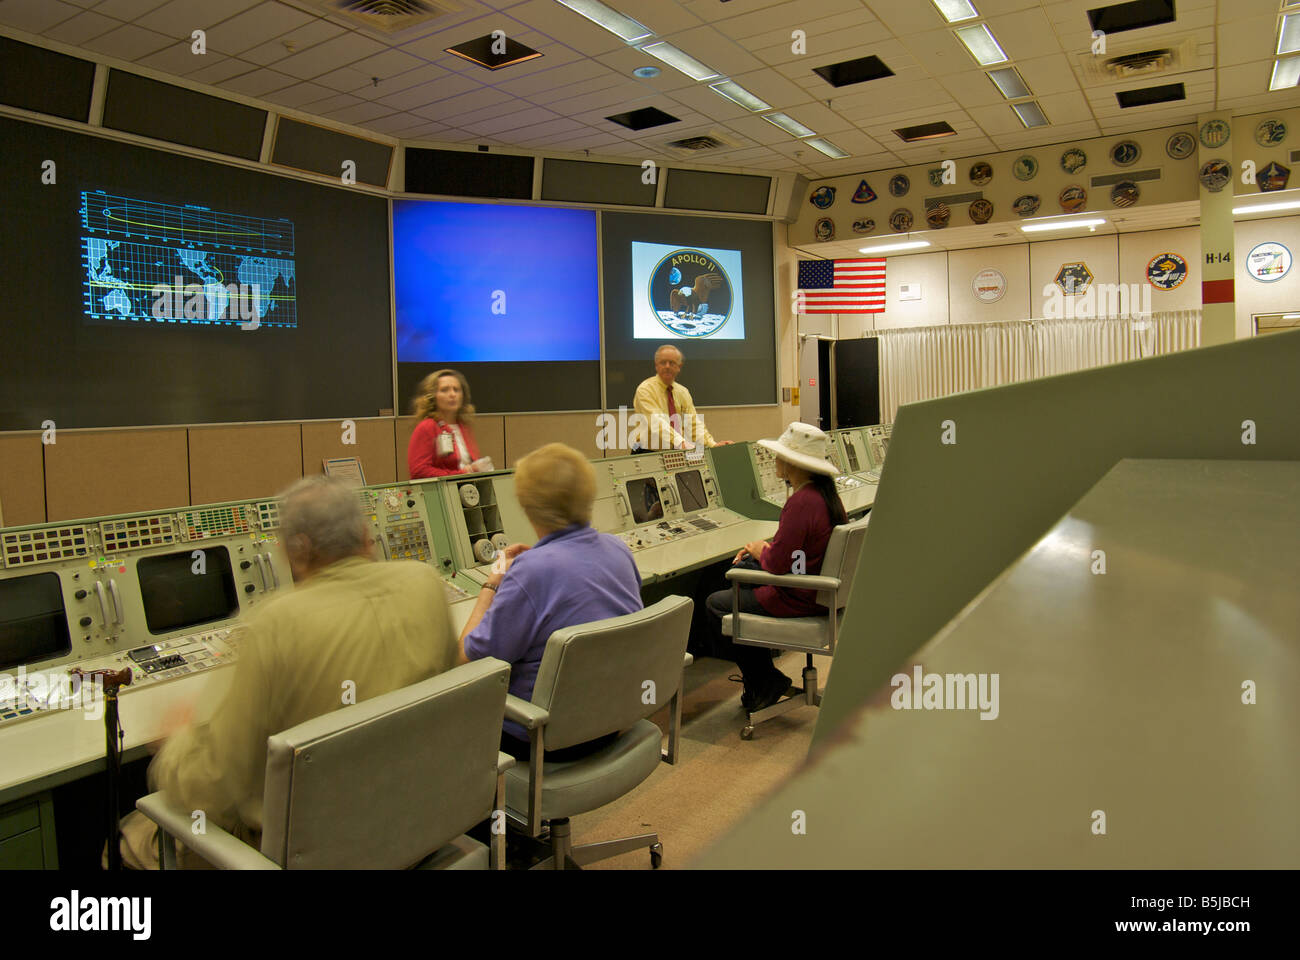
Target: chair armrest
pixel 795 581
pixel 215 845
pixel 525 714
pixel 687 660
pixel 504 762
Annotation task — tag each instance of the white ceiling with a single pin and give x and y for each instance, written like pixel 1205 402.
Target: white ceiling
pixel 320 65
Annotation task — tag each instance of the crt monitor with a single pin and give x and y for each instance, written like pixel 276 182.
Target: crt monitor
pixel 644 497
pixel 690 490
pixel 180 590
pixel 33 621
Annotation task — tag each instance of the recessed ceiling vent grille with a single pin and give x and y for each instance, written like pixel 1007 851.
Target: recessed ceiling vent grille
pixel 384 18
pixel 704 142
pixel 1129 62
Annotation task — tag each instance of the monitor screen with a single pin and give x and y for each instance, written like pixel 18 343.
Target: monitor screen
pixel 180 590
pixel 644 497
pixel 33 622
pixel 851 449
pixel 690 489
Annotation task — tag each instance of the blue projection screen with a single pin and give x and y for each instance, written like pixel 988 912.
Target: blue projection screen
pixel 481 282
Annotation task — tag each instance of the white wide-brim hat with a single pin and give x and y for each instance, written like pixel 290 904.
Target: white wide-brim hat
pixel 804 446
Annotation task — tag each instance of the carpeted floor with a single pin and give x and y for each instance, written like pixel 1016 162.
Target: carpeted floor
pixel 718 777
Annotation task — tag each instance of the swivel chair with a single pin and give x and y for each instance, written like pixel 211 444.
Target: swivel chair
pixel 595 679
pixel 389 783
pixel 812 635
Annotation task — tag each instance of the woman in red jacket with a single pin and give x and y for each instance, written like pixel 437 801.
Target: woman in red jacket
pixel 443 443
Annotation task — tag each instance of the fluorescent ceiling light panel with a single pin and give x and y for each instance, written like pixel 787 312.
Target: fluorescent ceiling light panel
pixel 1266 207
pixel 625 28
pixel 826 147
pixel 979 41
pixel 905 245
pixel 1030 113
pixel 1288 40
pixel 1061 225
pixel 1285 73
pixel 1009 83
pixel 738 94
pixel 790 126
pixel 955 11
pixel 680 61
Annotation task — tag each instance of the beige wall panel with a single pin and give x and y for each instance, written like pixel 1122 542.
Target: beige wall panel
pixel 1254 296
pixel 1101 254
pixel 1012 262
pixel 22 479
pixel 745 423
pixel 525 432
pixel 1137 250
pixel 405 426
pixel 489 434
pixel 244 462
pixel 930 270
pixel 115 471
pixel 374 447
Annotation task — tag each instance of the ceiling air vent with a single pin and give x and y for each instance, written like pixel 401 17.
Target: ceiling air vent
pixel 383 18
pixel 703 143
pixel 1122 63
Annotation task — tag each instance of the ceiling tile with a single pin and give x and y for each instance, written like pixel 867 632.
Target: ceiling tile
pixel 129 42
pixel 301 38
pixel 180 18
pixel 78 29
pixel 255 26
pixel 258 83
pixel 36 16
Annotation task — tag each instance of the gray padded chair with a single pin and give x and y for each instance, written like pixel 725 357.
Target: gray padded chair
pixel 812 635
pixel 389 783
pixel 595 679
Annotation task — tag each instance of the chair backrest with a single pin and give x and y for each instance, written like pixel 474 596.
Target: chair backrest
pixel 384 783
pixel 602 677
pixel 841 560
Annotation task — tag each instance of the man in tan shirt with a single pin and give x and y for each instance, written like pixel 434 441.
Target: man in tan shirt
pixel 351 629
pixel 668 408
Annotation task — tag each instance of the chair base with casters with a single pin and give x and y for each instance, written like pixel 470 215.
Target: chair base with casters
pixel 806 696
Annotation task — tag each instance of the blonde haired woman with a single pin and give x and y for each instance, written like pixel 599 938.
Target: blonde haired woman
pixel 443 443
pixel 571 575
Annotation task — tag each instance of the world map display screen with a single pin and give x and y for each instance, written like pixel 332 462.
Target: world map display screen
pixel 151 262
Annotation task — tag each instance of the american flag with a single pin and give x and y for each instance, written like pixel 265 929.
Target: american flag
pixel 841 286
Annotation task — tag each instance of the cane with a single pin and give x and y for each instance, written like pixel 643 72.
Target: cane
pixel 112 681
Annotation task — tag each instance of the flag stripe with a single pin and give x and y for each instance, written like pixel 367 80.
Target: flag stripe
pixel 855 285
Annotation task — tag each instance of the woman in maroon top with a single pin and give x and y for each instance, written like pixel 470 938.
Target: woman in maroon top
pixel 811 512
pixel 443 443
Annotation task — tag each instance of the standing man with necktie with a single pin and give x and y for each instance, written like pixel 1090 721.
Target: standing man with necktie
pixel 669 409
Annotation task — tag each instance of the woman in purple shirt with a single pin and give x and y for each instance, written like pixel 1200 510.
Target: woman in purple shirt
pixel 571 575
pixel 811 512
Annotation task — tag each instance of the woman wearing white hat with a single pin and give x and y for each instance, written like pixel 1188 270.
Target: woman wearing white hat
pixel 811 512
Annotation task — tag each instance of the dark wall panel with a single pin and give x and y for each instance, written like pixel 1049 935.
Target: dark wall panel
pixel 45 81
pixel 578 181
pixel 305 146
pixel 177 115
pixel 724 192
pixel 457 173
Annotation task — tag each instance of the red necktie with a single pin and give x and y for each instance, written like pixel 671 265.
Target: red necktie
pixel 672 410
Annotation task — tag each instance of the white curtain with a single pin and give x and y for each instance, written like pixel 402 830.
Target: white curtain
pixel 926 362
